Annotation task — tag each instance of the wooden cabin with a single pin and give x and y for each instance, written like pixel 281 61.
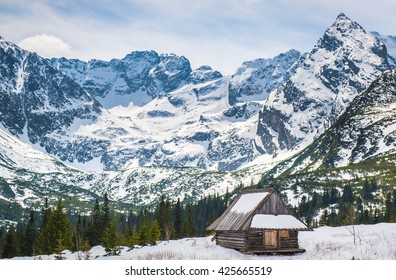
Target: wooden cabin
pixel 258 221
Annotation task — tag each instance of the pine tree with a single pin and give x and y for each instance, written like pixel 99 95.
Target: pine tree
pixel 31 235
pixel 326 199
pixel 59 248
pixel 324 218
pixel 2 234
pixel 155 233
pixel 347 195
pixel 11 246
pixel 105 212
pixel 178 218
pixel 144 231
pixel 185 229
pixel 20 233
pixel 131 237
pixel 366 217
pixel 96 231
pixel 78 236
pixel 45 213
pixel 188 227
pixel 164 217
pixel 111 239
pixel 388 208
pixel 367 195
pixel 334 195
pixel 56 233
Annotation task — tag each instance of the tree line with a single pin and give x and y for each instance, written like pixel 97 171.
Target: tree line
pixel 53 230
pixel 346 205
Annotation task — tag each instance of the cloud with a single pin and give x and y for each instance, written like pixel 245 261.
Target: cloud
pixel 46 45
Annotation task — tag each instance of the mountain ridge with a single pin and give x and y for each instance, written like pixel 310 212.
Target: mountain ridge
pixel 192 133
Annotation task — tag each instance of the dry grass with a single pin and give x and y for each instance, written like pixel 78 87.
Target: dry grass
pixel 163 255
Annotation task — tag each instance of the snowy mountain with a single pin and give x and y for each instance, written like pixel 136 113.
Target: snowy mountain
pixel 254 80
pixel 342 64
pixel 138 78
pixel 42 106
pixel 28 175
pixel 365 132
pixel 148 124
pixel 162 113
pixel 390 43
pixel 189 122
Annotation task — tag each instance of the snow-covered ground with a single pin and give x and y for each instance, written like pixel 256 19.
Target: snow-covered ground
pixel 373 242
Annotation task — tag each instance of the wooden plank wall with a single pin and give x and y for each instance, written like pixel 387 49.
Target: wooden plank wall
pixel 274 205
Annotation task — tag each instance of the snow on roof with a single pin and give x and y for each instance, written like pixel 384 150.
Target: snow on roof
pixel 276 222
pixel 248 202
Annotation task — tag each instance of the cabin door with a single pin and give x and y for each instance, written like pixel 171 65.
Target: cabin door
pixel 270 239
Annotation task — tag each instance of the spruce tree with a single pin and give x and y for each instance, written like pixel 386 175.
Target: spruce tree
pixel 77 237
pixel 31 235
pixel 388 208
pixel 144 231
pixel 96 231
pixel 367 195
pixel 326 199
pixel 164 217
pixel 155 233
pixel 105 212
pixel 324 218
pixel 347 196
pixel 334 195
pixel 131 237
pixel 20 232
pixel 111 238
pixel 366 217
pixel 374 185
pixel 57 232
pixel 178 218
pixel 11 246
pixel 45 213
pixel 2 234
pixel 59 248
pixel 188 226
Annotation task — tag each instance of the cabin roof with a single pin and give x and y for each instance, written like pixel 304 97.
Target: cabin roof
pixel 268 221
pixel 243 210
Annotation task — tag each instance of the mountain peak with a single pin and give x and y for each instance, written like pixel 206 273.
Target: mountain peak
pixel 344 24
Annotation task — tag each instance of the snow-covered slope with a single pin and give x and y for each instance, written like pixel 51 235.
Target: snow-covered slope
pixel 254 80
pixel 344 62
pixel 390 43
pixel 40 105
pixel 27 175
pixel 16 155
pixel 365 131
pixel 186 123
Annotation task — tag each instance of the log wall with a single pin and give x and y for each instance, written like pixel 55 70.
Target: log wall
pixel 231 239
pixel 290 242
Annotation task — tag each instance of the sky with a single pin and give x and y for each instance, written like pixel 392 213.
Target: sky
pixel 219 33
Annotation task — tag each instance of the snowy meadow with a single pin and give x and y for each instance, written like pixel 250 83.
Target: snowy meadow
pixel 369 242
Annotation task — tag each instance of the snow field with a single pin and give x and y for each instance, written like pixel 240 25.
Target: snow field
pixel 373 242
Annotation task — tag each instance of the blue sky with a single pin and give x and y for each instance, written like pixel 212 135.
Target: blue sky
pixel 219 33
